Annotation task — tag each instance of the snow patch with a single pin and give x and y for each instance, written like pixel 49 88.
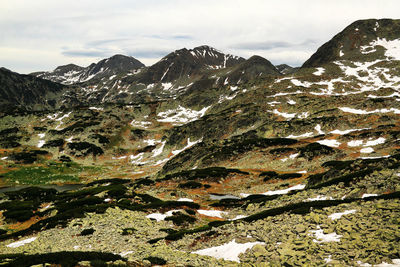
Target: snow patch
pixel 143 124
pixel 125 253
pixel 181 115
pixel 161 216
pixel 321 237
pixel 21 242
pixel 212 213
pixel 369 195
pixel 367 150
pixel 329 142
pixel 318 129
pixel 159 150
pixel 189 144
pixel 137 159
pixel 182 199
pixel 319 197
pixel 378 141
pixel 355 143
pixel 278 192
pixel 305 135
pixel 96 108
pixel 166 86
pixel 319 71
pixel 360 111
pixel 300 83
pixel 41 143
pixel 338 215
pixel 392 47
pixel 285 115
pixel 229 251
pixel 343 132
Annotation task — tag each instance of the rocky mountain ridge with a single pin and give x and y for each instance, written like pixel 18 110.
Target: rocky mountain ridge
pixel 73 74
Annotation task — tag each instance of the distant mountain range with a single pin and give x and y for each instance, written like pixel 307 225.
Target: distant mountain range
pixel 124 79
pixel 71 73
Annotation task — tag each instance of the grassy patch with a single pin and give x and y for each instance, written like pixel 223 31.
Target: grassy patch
pixel 54 173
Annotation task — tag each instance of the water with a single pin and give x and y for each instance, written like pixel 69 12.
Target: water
pixel 219 197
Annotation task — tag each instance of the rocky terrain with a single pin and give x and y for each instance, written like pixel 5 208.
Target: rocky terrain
pixel 207 159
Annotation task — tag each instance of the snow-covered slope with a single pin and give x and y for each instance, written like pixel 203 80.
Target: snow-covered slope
pixel 71 74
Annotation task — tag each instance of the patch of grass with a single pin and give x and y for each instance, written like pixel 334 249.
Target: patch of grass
pixel 57 172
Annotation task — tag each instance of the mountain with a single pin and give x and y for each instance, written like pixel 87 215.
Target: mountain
pixel 188 62
pixel 72 74
pixel 361 40
pixel 26 92
pixel 162 168
pixel 286 69
pixel 252 68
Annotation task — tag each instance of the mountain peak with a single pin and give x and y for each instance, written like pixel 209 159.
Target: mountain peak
pixel 188 62
pixel 357 42
pixel 71 73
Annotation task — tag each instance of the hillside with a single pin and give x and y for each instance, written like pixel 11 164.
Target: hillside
pixel 24 91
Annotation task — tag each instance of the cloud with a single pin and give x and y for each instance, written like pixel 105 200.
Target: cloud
pixel 269 45
pixel 85 53
pixel 84 31
pixel 148 53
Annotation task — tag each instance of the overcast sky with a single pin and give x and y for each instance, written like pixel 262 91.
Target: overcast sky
pixel 43 34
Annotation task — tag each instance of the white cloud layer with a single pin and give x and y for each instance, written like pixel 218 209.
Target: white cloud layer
pixel 42 34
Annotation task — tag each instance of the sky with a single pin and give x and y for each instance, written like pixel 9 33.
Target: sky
pixel 43 34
